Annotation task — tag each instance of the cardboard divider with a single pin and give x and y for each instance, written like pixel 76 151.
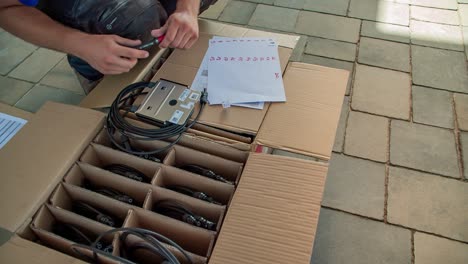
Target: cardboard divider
pixel 196 242
pixel 167 177
pixel 210 211
pixel 83 174
pixel 48 217
pixel 181 156
pixel 66 197
pixel 103 139
pixel 102 156
pixel 201 141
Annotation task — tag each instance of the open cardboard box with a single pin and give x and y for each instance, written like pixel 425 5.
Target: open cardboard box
pixel 271 214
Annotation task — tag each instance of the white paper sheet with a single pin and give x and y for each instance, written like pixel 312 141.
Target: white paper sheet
pixel 201 82
pixel 244 70
pixel 9 126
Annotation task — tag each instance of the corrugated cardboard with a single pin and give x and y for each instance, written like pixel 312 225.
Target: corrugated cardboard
pixel 306 123
pixel 19 250
pixel 36 159
pixel 274 212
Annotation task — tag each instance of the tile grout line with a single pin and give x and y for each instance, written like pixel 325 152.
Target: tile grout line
pixel 413 255
pixel 403 167
pixel 457 135
pixel 411 110
pixel 411 229
pixel 351 89
pixel 387 172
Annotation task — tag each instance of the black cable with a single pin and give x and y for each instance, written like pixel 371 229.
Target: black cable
pixel 116 122
pixel 192 193
pixel 197 169
pixel 178 211
pixel 128 172
pixel 156 240
pixel 91 212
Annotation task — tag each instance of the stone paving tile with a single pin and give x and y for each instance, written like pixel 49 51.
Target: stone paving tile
pixel 237 12
pixel 367 136
pixel 331 49
pixel 436 35
pixel 463 11
pixel 385 31
pixel 385 54
pixel 12 52
pixel 355 185
pixel 39 94
pixel 445 4
pixel 344 238
pixel 62 76
pixel 11 90
pixel 273 17
pixel 428 203
pixel 215 10
pixel 437 68
pixel 463 1
pixel 328 26
pixel 465 40
pixel 435 250
pixel 267 2
pixel 297 4
pixel 37 65
pixel 382 92
pixel 340 132
pixel 424 148
pixel 434 15
pixel 382 11
pixel 432 107
pixel 337 7
pixel 461 108
pixel 464 145
pixel 332 64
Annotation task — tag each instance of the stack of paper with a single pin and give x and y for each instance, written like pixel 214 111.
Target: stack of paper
pixel 241 71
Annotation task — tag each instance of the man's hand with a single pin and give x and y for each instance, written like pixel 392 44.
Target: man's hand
pixel 181 30
pixel 109 54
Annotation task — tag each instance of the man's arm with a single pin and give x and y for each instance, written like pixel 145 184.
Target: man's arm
pixel 181 28
pixel 106 53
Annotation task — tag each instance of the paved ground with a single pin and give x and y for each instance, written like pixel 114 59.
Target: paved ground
pixel 397 189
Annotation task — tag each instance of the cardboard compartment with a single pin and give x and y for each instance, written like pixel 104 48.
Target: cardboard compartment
pixel 77 200
pixel 51 225
pixel 194 139
pixel 196 242
pixel 105 158
pixel 93 178
pixel 177 179
pixel 182 157
pixel 209 211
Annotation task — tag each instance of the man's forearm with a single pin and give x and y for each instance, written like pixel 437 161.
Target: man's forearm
pixel 192 6
pixel 34 26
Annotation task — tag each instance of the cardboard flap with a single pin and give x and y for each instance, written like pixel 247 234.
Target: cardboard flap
pixel 274 212
pixel 306 123
pixel 19 250
pixel 35 160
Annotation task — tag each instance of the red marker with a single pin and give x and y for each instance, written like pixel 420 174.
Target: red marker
pixel 155 41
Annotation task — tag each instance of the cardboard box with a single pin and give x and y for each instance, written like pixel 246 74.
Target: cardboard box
pixel 270 216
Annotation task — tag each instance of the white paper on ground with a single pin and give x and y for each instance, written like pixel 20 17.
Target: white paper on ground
pixel 9 126
pixel 244 70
